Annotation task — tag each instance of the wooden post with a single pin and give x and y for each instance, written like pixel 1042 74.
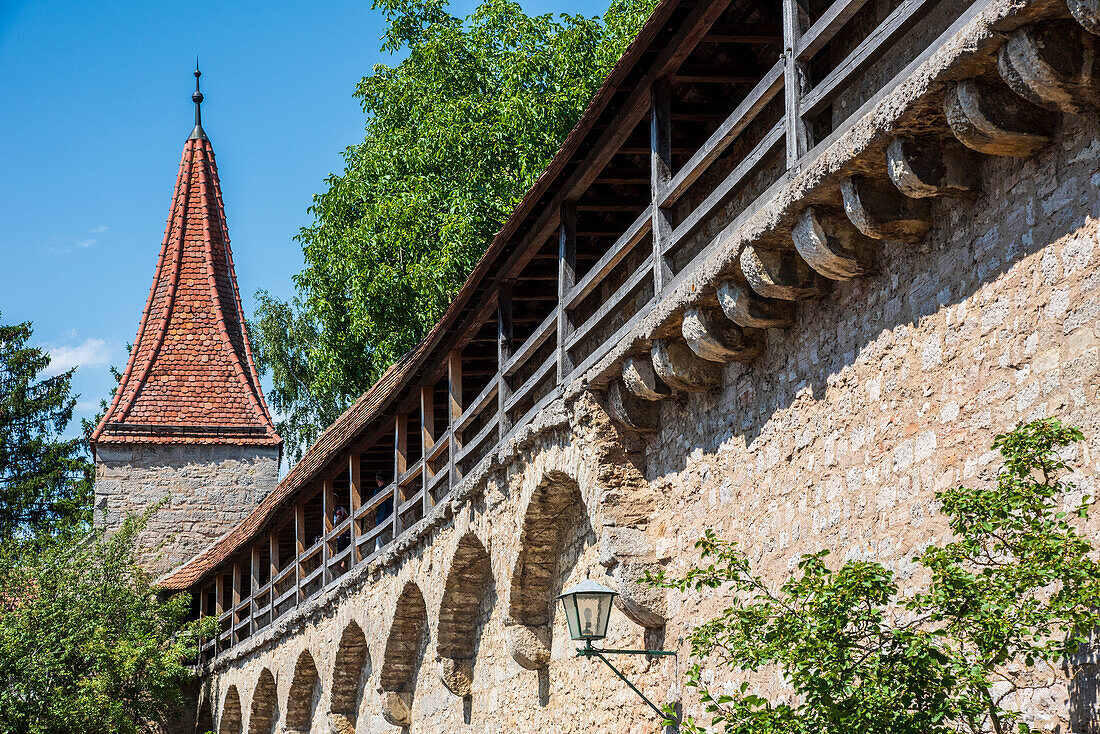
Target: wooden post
pixel 427 440
pixel 355 479
pixel 300 548
pixel 567 278
pixel 795 81
pixel 273 559
pixel 504 353
pixel 454 412
pixel 219 608
pixel 255 585
pixel 660 174
pixel 400 466
pixel 235 616
pixel 204 602
pixel 328 504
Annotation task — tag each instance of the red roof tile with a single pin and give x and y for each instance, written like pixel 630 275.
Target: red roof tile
pixel 191 377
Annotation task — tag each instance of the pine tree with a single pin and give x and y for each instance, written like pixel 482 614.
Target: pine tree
pixel 45 480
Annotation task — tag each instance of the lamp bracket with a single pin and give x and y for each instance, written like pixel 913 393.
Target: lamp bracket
pixel 588 651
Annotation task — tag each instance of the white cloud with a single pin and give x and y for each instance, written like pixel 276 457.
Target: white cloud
pixel 100 228
pixel 89 353
pixel 86 243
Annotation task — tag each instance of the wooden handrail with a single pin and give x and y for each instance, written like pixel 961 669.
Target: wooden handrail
pixel 412 473
pixel 748 165
pixel 412 501
pixel 440 447
pixel 375 500
pixel 478 439
pixel 900 20
pixel 532 382
pixel 437 478
pixel 644 271
pixel 479 404
pixel 741 117
pixel 827 26
pixel 373 533
pixel 638 229
pixel 538 337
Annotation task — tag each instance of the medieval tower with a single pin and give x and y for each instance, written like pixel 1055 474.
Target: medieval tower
pixel 188 425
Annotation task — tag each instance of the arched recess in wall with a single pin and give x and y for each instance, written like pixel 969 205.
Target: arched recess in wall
pixel 261 718
pixel 469 581
pixel 230 720
pixel 204 722
pixel 351 667
pixel 556 506
pixel 303 692
pixel 401 661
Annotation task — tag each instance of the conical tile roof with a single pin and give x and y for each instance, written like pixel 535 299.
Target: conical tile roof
pixel 191 377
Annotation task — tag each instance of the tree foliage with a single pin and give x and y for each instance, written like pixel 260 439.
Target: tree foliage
pixel 1008 602
pixel 85 645
pixel 455 134
pixel 45 480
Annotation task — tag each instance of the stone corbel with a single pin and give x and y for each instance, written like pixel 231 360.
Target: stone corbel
pixel 923 168
pixel 1087 13
pixel 628 411
pixel 878 210
pixel 714 338
pixel 457 675
pixel 629 553
pixel 642 382
pixel 340 724
pixel 831 247
pixel 397 707
pixel 746 309
pixel 680 369
pixel 986 116
pixel 1052 65
pixel 779 274
pixel 529 645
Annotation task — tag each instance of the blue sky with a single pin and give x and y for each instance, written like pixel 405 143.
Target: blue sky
pixel 96 100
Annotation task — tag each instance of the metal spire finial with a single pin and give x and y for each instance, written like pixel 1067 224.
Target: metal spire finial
pixel 198 132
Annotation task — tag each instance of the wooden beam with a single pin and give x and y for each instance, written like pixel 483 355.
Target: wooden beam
pixel 770 33
pixel 328 508
pixel 355 479
pixel 299 548
pixel 505 333
pixel 718 74
pixel 745 112
pixel 273 558
pixel 234 618
pixel 621 204
pixel 427 438
pixel 795 81
pixel 567 278
pixel 254 576
pixel 623 175
pixel 660 171
pixel 400 465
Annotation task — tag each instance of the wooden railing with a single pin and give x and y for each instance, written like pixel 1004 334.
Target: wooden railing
pixel 649 257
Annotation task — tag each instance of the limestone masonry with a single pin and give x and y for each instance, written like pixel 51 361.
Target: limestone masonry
pixel 811 311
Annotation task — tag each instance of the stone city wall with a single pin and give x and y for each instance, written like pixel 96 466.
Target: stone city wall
pixel 837 437
pixel 206 491
pixel 889 387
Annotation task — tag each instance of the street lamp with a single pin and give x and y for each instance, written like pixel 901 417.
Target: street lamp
pixel 587 611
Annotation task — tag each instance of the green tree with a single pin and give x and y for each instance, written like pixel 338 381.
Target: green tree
pixel 86 646
pixel 45 480
pixel 1008 602
pixel 455 134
